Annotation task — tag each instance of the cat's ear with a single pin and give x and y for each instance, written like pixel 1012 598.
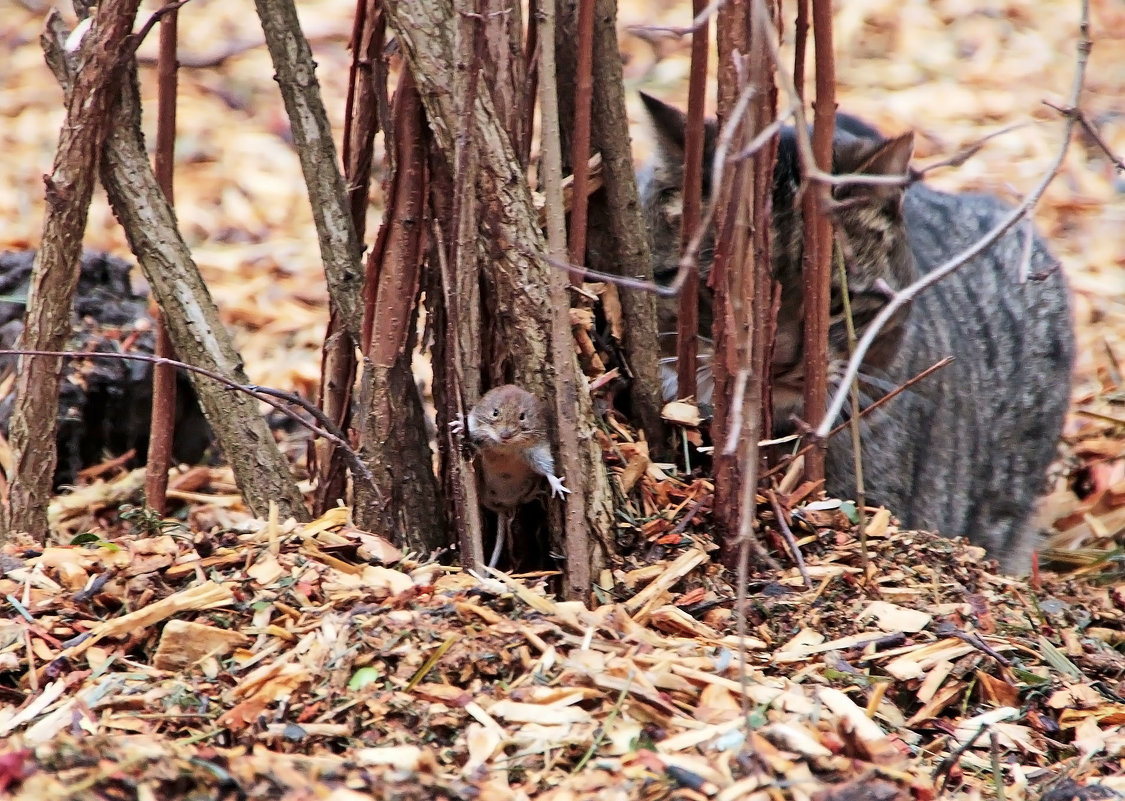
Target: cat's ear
pixel 669 124
pixel 891 158
pixel 883 157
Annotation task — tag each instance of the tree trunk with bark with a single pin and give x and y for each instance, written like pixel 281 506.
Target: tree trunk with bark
pixel 197 333
pixel 508 238
pixel 69 188
pixel 395 445
pixel 617 241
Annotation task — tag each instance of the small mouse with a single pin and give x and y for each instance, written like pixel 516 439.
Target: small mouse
pixel 508 427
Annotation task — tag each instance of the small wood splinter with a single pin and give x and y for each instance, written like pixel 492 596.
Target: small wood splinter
pixel 508 427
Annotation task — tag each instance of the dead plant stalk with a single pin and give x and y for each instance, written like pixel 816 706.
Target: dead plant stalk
pixel 162 423
pixel 562 342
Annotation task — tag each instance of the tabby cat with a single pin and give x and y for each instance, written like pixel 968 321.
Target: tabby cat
pixel 964 451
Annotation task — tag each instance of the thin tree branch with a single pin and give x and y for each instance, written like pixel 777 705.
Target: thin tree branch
pixel 933 368
pixel 817 252
pixel 135 39
pixel 266 395
pixel 300 91
pixel 700 19
pixel 580 144
pixel 965 153
pixel 790 540
pixel 1091 130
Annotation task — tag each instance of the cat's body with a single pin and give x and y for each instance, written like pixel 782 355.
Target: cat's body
pixel 964 451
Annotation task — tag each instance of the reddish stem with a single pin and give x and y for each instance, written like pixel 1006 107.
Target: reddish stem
pixel 163 421
pixel 818 237
pixel 688 324
pixel 580 144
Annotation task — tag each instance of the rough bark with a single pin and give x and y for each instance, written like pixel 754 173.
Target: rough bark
pixel 393 434
pixel 742 280
pixel 455 292
pixel 504 64
pixel 516 274
pixel 617 241
pixel 69 188
pixel 576 537
pixel 458 354
pixel 732 36
pixel 193 321
pixel 338 360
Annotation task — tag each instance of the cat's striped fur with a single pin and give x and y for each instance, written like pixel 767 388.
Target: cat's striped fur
pixel 965 451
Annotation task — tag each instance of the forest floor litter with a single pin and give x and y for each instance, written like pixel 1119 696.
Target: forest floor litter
pixel 222 656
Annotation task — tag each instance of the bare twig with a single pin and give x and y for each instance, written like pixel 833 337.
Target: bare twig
pixel 967 152
pixel 580 144
pixel 790 540
pixel 461 282
pixel 800 45
pixel 994 760
pixel 1079 115
pixel 933 368
pixel 854 419
pixel 135 39
pixel 816 254
pixel 264 394
pixel 691 251
pixel 308 120
pixel 463 484
pixel 338 360
pixel 578 575
pixel 761 17
pixel 945 767
pixel 701 18
pixel 687 324
pixel 743 276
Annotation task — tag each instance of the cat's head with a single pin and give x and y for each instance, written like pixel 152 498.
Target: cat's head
pixel 661 184
pixel 869 235
pixel 866 214
pixel 868 224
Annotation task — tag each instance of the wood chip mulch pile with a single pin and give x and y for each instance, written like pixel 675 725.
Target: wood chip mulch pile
pixel 237 658
pixel 224 657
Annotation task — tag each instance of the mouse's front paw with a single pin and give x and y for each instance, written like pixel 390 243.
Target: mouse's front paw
pixel 557 488
pixel 457 426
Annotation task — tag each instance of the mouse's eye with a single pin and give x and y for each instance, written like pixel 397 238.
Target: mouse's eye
pixel 523 416
pixel 495 412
